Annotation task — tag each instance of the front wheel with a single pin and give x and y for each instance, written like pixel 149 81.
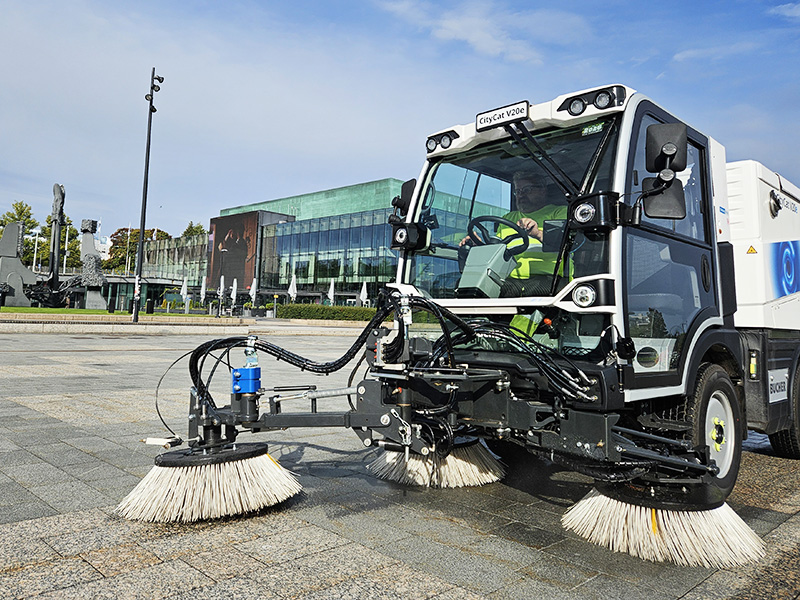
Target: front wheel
pixel 716 420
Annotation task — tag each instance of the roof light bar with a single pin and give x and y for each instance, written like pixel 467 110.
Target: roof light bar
pixel 445 140
pixel 601 99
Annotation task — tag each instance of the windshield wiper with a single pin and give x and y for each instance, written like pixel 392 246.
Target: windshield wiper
pixel 594 163
pixel 556 173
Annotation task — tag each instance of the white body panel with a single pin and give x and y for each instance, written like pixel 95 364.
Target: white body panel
pixel 719 187
pixel 766 248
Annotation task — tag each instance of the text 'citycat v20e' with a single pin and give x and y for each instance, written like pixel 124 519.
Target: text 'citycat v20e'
pixel 586 279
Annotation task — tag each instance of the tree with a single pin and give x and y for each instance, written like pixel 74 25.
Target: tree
pixel 22 213
pixel 124 243
pixel 192 230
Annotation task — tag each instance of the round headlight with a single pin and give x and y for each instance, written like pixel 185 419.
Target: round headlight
pixel 401 235
pixel 584 213
pixel 430 144
pixel 576 107
pixel 584 296
pixel 445 141
pixel 602 100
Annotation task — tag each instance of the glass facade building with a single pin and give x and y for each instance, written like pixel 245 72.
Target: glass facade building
pixel 349 249
pixel 177 258
pixel 340 234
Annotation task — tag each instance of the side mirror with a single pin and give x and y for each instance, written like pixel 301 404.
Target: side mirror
pixel 663 202
pixel 403 201
pixel 665 154
pixel 665 147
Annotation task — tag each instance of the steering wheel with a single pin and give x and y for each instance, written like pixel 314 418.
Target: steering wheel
pixel 519 234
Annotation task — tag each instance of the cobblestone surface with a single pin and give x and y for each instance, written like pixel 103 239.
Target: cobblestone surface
pixel 73 407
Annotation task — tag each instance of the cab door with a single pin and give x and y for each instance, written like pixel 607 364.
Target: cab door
pixel 669 264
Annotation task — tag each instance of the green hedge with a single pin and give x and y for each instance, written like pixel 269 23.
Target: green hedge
pixel 328 313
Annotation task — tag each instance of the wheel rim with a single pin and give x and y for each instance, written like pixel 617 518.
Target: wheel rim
pixel 720 431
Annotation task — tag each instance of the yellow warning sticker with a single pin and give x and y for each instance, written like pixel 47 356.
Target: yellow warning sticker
pixel 751 250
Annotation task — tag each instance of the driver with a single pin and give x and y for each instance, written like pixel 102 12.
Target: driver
pixel 535 204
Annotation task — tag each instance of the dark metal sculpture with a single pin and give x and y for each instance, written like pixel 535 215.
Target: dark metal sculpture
pixel 14 276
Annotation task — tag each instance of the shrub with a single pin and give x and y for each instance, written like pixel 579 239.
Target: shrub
pixel 328 313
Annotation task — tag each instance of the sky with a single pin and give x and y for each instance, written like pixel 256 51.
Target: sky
pixel 267 99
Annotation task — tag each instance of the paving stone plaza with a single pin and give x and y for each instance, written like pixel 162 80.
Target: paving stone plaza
pixel 74 406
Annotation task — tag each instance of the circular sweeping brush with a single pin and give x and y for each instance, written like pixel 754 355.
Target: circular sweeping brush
pixel 186 487
pixel 467 465
pixel 716 538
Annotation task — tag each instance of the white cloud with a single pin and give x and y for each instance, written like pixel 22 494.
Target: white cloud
pixel 791 10
pixel 487 31
pixel 493 29
pixel 716 53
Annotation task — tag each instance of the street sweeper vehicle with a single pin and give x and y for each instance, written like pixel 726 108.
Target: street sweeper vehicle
pixel 585 279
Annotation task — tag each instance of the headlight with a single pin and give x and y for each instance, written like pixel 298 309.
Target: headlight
pixel 430 145
pixel 445 141
pixel 576 106
pixel 584 212
pixel 584 296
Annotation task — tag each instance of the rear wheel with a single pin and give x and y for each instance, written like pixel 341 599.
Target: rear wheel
pixel 786 443
pixel 716 420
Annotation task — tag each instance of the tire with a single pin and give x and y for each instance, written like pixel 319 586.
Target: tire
pixel 716 419
pixel 786 442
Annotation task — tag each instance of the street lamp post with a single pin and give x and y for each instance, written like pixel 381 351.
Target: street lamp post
pixel 154 87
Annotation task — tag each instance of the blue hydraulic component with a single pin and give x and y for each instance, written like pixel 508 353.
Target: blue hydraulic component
pixel 246 380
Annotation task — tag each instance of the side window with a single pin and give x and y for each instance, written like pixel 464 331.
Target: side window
pixel 665 294
pixel 693 226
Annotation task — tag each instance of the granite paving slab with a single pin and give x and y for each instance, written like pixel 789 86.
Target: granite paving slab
pixel 70 450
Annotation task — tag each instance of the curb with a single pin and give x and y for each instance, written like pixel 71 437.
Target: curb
pixel 119 325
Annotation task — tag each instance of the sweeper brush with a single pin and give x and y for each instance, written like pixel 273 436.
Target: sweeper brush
pixel 186 487
pixel 467 465
pixel 716 538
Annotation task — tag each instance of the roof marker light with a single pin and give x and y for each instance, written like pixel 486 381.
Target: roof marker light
pixel 603 99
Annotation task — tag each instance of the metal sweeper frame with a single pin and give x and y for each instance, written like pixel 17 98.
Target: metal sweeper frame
pixel 549 296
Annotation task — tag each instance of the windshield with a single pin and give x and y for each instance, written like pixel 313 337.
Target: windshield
pixel 497 217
